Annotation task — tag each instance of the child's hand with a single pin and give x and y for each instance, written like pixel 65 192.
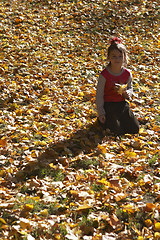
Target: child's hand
pixel 102 119
pixel 125 94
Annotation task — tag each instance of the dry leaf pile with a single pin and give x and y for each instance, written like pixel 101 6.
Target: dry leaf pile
pixel 61 177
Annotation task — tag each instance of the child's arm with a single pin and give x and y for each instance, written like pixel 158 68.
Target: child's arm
pixel 129 90
pixel 100 95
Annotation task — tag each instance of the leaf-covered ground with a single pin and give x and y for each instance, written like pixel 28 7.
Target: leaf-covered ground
pixel 61 177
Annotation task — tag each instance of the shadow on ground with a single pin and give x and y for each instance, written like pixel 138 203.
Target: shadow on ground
pixel 84 141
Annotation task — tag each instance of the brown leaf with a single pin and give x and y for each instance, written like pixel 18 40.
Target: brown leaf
pixel 120 196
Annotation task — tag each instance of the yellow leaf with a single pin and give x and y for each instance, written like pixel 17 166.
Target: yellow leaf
pixel 44 97
pixel 157 235
pixel 57 236
pixel 80 94
pixel 121 89
pixel 2 173
pixel 130 154
pixel 129 208
pixel 52 165
pixel 83 208
pixel 104 181
pixel 72 204
pixel 102 148
pixel 157 226
pixel 127 28
pixel 28 207
pixel 24 223
pixel 18 112
pixel 41 143
pixel 142 132
pixel 140 238
pixel 141 182
pixel 148 222
pixel 73 225
pixel 44 213
pixel 2 221
pixel 25 138
pixel 74 193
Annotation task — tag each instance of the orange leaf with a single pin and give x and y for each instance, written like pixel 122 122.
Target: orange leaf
pixel 149 207
pixel 3 142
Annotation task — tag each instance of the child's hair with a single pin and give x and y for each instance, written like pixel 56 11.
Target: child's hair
pixel 116 44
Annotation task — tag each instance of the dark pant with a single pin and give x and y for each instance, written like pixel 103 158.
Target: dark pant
pixel 120 119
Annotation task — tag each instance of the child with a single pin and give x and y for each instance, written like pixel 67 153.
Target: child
pixel 114 86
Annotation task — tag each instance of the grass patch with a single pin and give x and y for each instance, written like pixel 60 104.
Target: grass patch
pixel 56 175
pixel 153 160
pixel 36 205
pixel 97 187
pixel 85 163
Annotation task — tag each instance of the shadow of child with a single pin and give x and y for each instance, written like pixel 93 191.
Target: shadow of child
pixel 83 141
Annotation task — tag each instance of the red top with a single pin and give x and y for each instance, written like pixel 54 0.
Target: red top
pixel 110 95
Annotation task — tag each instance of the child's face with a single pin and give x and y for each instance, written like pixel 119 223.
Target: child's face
pixel 116 58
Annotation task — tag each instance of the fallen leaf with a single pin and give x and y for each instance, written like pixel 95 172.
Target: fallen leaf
pixel 157 226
